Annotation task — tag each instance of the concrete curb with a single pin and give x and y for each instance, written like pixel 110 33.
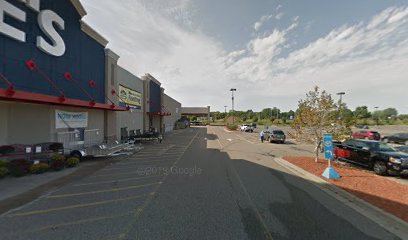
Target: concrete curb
pixel 386 220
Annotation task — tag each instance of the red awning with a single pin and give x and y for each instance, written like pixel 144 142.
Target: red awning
pixel 21 96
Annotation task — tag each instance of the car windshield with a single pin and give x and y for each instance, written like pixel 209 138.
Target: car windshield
pixel 278 132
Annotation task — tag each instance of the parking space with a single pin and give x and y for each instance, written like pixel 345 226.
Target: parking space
pixel 118 191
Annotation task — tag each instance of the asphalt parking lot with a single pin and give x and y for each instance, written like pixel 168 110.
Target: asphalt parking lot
pixel 222 186
pixel 294 148
pixel 95 203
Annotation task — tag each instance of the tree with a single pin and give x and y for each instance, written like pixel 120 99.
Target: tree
pixel 389 112
pixel 317 115
pixel 361 112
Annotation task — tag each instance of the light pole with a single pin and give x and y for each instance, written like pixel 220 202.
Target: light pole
pixel 377 118
pixel 225 110
pixel 232 97
pixel 340 101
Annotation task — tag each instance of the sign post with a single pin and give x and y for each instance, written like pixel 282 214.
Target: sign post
pixel 329 173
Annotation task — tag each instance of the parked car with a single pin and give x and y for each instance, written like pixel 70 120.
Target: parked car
pixel 401 138
pixel 253 125
pixel 403 149
pixel 197 123
pixel 276 135
pixel 366 134
pixel 376 155
pixel 246 128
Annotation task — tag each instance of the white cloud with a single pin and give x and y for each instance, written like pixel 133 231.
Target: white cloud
pixel 367 59
pixel 262 21
pixel 279 16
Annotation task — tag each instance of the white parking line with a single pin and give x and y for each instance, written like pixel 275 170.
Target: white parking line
pixel 103 191
pixel 117 180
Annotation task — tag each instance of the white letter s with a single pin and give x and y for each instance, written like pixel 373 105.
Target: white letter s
pixel 46 18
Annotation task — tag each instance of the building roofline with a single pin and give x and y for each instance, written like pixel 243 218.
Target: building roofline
pixel 147 76
pixel 79 7
pixel 111 54
pixel 93 34
pixel 173 99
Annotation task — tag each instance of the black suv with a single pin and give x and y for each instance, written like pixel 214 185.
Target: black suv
pixel 379 156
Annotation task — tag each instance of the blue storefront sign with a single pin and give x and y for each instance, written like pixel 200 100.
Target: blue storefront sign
pixel 328 146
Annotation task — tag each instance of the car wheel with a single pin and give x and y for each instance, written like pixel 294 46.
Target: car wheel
pixel 270 140
pixel 380 168
pixel 282 142
pixel 76 154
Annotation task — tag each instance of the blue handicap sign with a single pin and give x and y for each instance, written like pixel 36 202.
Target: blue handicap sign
pixel 328 146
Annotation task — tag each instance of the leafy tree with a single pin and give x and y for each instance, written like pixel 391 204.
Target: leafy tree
pixel 361 112
pixel 317 115
pixel 389 112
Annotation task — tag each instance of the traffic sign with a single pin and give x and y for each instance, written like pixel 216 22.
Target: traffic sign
pixel 328 146
pixel 329 173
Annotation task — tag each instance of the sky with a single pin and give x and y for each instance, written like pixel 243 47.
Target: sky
pixel 271 51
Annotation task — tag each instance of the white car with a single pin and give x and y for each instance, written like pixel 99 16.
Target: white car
pixel 246 128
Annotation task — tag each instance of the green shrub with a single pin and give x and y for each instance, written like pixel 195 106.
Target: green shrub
pixel 3 163
pixel 232 127
pixel 57 162
pixel 3 172
pixel 19 168
pixel 39 168
pixel 72 162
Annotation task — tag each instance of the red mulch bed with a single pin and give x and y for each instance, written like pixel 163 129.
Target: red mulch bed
pixel 386 194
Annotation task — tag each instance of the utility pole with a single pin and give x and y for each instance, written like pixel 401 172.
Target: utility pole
pixel 225 109
pixel 232 97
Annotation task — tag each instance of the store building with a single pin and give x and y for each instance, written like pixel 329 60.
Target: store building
pixel 202 113
pixel 174 107
pixel 153 104
pixel 52 68
pixel 58 82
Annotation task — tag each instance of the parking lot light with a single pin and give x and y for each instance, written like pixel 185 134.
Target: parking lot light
pixel 232 97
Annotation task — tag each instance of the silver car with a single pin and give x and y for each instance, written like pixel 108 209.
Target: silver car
pixel 276 135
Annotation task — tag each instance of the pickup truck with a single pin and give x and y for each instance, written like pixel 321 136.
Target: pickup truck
pixel 246 128
pixel 376 155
